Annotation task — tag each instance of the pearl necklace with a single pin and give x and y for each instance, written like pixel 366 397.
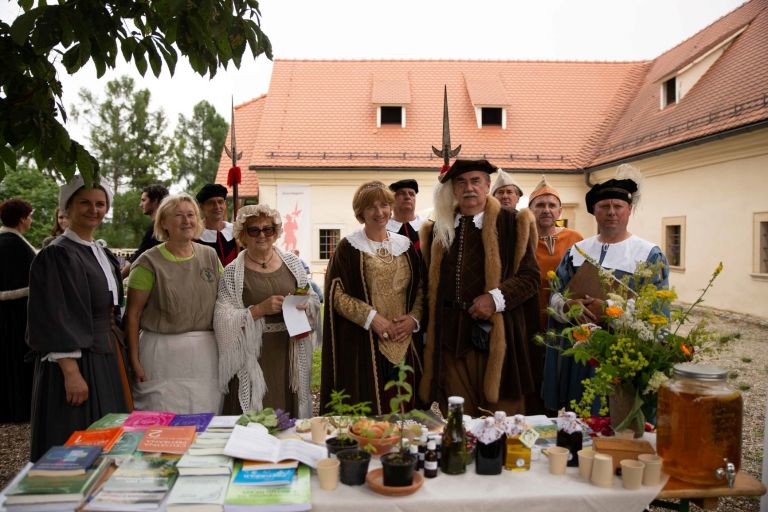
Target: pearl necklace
pixel 262 263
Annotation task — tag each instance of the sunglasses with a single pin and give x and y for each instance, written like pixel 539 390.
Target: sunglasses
pixel 254 231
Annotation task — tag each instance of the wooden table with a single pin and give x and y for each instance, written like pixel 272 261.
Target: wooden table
pixel 706 497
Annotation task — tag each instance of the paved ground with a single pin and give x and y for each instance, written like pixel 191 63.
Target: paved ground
pixel 746 358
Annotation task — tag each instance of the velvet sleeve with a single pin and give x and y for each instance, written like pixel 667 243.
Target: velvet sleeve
pixel 59 315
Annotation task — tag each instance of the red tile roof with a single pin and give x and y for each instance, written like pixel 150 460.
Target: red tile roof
pixel 247 121
pixel 560 115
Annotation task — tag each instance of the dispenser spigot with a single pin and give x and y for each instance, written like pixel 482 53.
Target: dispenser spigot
pixel 728 472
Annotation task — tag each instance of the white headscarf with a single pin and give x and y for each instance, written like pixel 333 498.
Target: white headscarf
pixel 67 190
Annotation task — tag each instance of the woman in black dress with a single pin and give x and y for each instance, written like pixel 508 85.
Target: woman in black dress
pixel 16 253
pixel 74 294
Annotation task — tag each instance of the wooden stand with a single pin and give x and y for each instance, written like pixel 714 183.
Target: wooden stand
pixel 621 449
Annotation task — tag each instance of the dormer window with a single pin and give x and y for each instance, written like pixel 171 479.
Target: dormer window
pixel 389 115
pixel 669 92
pixel 491 116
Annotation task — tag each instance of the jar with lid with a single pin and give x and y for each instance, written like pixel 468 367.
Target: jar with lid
pixel 699 423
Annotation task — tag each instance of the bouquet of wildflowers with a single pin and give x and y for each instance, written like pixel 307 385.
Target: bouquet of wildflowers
pixel 637 342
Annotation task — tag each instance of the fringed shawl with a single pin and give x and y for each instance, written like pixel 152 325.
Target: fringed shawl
pixel 239 337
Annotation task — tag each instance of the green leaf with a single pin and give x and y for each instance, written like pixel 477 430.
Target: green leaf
pixel 9 156
pixel 154 57
pixel 84 163
pixel 22 26
pixel 141 62
pixel 25 4
pixel 126 47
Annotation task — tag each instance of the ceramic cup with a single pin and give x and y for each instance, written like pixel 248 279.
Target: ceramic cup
pixel 318 426
pixel 328 473
pixel 558 458
pixel 586 456
pixel 632 473
pixel 602 470
pixel 652 473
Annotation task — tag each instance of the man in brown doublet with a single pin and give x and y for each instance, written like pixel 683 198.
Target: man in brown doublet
pixel 482 276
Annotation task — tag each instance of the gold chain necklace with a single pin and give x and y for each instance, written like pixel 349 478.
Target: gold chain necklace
pixel 262 263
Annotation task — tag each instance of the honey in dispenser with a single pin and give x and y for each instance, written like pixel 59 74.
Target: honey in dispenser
pixel 699 425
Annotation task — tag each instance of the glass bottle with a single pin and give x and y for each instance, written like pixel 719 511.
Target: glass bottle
pixel 517 456
pixel 699 422
pixel 454 450
pixel 430 461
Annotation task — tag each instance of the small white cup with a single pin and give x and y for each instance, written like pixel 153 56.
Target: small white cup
pixel 586 457
pixel 328 473
pixel 558 459
pixel 652 473
pixel 602 470
pixel 318 429
pixel 632 473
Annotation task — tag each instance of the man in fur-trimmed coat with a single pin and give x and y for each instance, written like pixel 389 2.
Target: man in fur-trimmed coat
pixel 483 281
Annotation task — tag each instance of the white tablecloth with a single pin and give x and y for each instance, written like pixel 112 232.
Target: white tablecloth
pixel 531 491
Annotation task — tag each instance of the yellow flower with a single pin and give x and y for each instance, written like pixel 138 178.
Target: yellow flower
pixel 718 269
pixel 658 320
pixel 613 311
pixel 551 275
pixel 665 294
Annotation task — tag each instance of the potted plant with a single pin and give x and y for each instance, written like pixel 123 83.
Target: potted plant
pixel 353 461
pixel 343 415
pixel 398 466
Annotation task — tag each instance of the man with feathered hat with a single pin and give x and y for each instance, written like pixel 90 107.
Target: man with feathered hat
pixel 614 248
pixel 482 287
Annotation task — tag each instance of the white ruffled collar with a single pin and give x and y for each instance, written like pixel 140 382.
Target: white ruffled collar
pixel 396 244
pixel 394 225
pixel 477 220
pixel 209 235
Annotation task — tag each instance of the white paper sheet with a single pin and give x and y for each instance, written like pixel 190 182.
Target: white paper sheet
pixel 296 320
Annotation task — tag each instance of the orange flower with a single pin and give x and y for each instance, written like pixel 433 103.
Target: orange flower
pixel 685 349
pixel 616 380
pixel 581 333
pixel 613 311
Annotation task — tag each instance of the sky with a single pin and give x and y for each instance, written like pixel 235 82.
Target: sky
pixel 602 30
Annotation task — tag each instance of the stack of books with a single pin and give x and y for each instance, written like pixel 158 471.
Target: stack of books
pixel 175 440
pixel 140 483
pixel 222 424
pixel 209 443
pixel 293 495
pixel 61 480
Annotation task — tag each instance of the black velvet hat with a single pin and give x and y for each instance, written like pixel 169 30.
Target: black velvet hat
pixel 394 187
pixel 459 167
pixel 210 190
pixel 611 189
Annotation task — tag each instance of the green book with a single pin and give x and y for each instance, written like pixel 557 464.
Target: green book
pixel 56 489
pixel 126 445
pixel 295 496
pixel 111 420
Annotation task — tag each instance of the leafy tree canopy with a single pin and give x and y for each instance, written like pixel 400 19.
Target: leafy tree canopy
pixel 198 144
pixel 209 33
pixel 41 191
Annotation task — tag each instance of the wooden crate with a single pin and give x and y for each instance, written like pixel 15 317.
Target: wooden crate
pixel 621 449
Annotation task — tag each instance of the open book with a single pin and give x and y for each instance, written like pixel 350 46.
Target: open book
pixel 255 444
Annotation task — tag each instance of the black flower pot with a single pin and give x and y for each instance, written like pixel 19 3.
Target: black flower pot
pixel 397 468
pixel 573 443
pixel 490 457
pixel 353 466
pixel 336 444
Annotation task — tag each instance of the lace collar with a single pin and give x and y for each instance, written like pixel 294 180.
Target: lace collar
pixel 397 244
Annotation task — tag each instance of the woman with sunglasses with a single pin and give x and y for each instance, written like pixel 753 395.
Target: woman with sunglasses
pixel 260 365
pixel 169 316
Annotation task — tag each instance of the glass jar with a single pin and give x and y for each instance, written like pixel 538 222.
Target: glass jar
pixel 698 425
pixel 517 456
pixel 454 449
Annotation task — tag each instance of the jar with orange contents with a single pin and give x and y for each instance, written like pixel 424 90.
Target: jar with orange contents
pixel 699 425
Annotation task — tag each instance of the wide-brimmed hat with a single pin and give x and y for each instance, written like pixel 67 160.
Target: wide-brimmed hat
pixel 67 190
pixel 412 184
pixel 210 190
pixel 459 167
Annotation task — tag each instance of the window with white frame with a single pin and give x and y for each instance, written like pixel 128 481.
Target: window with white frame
pixel 674 241
pixel 760 260
pixel 491 116
pixel 390 115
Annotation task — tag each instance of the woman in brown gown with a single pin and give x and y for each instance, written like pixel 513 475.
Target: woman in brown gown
pixel 260 365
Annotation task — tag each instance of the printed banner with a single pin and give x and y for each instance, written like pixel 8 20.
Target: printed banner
pixel 293 205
